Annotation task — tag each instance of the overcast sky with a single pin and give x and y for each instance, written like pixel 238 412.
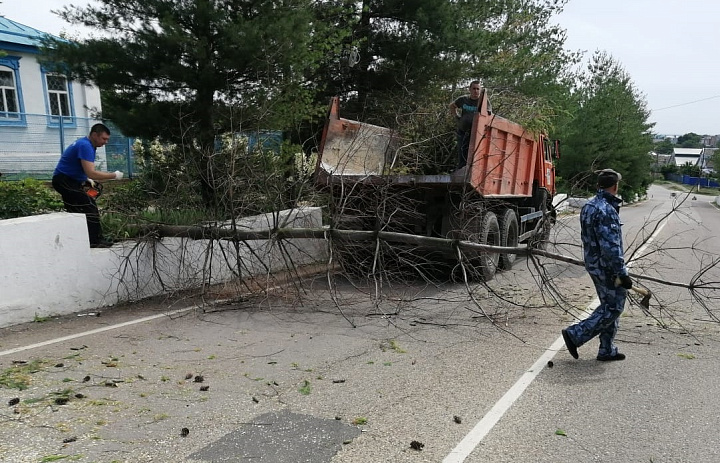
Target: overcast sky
pixel 669 48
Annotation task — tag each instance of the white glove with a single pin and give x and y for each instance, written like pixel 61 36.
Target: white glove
pixel 91 182
pixel 118 175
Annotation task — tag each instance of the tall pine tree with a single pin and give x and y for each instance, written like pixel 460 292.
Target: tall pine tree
pixel 609 129
pixel 187 70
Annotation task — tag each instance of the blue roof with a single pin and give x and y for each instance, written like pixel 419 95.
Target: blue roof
pixel 19 35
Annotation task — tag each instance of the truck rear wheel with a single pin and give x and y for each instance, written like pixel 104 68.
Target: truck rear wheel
pixel 488 232
pixel 544 226
pixel 509 236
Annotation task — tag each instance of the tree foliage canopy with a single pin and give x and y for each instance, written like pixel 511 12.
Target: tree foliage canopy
pixel 408 51
pixel 187 71
pixel 690 140
pixel 200 67
pixel 609 129
pixel 270 63
pixel 664 147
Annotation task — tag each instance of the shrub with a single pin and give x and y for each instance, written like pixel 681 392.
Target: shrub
pixel 27 197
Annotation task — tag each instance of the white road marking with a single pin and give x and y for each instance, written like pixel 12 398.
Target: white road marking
pixel 485 425
pixel 95 331
pixel 108 328
pixel 466 446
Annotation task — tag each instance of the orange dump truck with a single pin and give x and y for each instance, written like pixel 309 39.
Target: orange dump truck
pixel 502 198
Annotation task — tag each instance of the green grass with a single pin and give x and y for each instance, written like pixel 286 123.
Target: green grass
pixel 121 226
pixel 687 188
pixel 60 457
pixel 396 347
pixel 19 376
pixel 305 389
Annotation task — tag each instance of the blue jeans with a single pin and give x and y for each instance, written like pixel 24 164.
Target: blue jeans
pixel 604 320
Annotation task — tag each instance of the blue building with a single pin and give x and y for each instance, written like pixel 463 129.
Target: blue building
pixel 41 111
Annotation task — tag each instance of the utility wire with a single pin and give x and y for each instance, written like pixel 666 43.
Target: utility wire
pixel 685 104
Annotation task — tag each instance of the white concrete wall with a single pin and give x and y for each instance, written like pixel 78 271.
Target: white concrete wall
pixel 47 267
pixel 560 202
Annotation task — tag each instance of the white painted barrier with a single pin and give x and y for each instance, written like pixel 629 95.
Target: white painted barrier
pixel 47 267
pixel 560 202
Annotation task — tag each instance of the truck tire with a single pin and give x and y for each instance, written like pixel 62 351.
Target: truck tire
pixel 542 237
pixel 488 233
pixel 509 236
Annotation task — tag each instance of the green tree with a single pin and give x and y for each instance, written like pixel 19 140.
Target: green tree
pixel 669 169
pixel 408 52
pixel 715 162
pixel 609 129
pixel 690 169
pixel 528 69
pixel 690 140
pixel 187 71
pixel 664 147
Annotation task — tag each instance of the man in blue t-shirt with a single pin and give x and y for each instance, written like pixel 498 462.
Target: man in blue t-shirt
pixel 77 167
pixel 463 109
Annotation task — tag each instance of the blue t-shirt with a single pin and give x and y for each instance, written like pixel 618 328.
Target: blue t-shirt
pixel 70 164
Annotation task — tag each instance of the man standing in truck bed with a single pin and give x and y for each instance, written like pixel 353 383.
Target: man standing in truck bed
pixel 463 109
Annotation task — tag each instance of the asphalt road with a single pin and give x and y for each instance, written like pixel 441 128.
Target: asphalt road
pixel 422 374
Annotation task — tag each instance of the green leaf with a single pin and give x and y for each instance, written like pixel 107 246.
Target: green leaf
pixel 305 389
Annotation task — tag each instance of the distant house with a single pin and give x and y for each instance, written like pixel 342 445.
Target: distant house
pixel 710 140
pixel 660 159
pixel 686 156
pixel 41 111
pixel 657 138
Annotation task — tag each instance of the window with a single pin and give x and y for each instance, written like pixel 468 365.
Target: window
pixel 58 95
pixel 12 111
pixel 59 106
pixel 8 95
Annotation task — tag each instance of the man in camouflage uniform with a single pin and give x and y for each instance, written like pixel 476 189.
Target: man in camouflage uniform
pixel 604 260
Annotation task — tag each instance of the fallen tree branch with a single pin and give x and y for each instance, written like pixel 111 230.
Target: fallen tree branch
pixel 219 233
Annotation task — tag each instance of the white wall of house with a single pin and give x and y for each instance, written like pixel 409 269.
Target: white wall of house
pixel 49 269
pixel 37 145
pixel 87 98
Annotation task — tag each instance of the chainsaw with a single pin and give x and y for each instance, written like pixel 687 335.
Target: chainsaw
pixel 92 188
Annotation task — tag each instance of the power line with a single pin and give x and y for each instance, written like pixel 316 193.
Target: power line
pixel 688 103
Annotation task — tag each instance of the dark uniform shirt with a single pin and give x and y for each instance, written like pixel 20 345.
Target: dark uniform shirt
pixel 602 237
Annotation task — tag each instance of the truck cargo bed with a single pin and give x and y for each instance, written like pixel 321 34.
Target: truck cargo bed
pixel 502 161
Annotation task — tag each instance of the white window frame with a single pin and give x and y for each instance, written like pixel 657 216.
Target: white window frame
pixel 58 96
pixel 55 120
pixel 11 64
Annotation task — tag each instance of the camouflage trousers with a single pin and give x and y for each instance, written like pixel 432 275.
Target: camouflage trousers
pixel 604 320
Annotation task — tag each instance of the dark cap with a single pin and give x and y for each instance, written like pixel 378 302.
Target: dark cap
pixel 607 178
